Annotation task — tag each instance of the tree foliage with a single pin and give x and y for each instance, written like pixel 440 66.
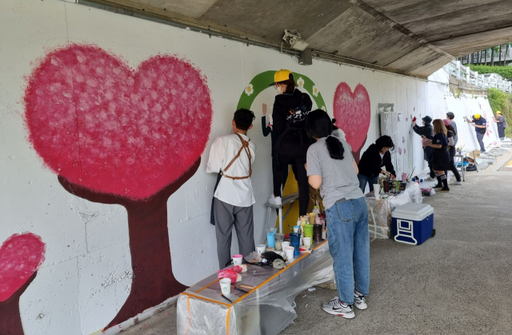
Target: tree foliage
pixel 501 101
pixel 504 71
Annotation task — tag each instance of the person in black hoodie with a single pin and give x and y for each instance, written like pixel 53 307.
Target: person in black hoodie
pixel 266 128
pixel 291 107
pixel 428 131
pixel 374 158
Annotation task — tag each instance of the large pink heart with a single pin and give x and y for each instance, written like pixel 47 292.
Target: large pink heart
pixel 101 124
pixel 20 256
pixel 352 112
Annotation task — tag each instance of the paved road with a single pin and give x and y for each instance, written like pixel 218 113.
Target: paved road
pixel 455 283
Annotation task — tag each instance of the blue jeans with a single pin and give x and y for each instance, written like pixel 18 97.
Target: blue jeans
pixel 349 245
pixel 363 180
pixel 480 138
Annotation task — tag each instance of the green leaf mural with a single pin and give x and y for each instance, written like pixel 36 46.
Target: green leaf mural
pixel 262 81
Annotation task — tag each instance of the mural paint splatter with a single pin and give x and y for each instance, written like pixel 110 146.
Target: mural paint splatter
pixel 21 255
pixel 115 135
pixel 353 114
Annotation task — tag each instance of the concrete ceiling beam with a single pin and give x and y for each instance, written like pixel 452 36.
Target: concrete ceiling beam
pixel 470 43
pixel 194 9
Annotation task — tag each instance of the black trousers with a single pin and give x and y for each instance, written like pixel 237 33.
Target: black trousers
pixel 451 164
pixel 292 153
pixel 427 155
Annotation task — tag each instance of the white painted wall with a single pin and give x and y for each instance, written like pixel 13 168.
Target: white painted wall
pixel 86 276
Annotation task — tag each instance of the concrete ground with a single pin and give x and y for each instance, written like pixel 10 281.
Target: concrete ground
pixel 455 283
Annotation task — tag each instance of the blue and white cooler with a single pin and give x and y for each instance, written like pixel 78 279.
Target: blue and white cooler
pixel 413 223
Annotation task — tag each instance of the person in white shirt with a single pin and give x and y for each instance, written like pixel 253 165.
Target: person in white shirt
pixel 232 156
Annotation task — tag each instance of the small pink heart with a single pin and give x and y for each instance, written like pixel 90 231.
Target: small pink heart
pixel 352 113
pixel 20 256
pixel 116 130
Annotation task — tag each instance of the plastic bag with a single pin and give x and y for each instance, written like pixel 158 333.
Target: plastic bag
pixel 235 277
pixel 415 194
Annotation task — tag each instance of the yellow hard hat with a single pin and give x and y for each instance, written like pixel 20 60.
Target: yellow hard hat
pixel 498 112
pixel 281 75
pixel 476 116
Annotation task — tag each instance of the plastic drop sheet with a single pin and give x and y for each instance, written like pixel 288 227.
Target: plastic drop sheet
pixel 267 309
pixel 379 211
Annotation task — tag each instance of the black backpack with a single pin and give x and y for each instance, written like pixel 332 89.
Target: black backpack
pixel 297 118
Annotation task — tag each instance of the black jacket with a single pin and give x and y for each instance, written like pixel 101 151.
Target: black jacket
pixel 426 130
pixel 266 129
pixel 283 104
pixel 370 164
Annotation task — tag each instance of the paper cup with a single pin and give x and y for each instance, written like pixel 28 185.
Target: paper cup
pixel 307 242
pixel 376 191
pixel 261 248
pixel 225 286
pixel 289 253
pixel 296 229
pixel 285 244
pixel 237 259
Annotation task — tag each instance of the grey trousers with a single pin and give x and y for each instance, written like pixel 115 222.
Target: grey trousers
pixel 225 217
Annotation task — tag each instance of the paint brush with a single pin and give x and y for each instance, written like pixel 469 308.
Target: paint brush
pixel 246 287
pixel 239 289
pixel 226 298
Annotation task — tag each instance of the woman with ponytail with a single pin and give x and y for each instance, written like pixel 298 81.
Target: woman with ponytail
pixel 440 155
pixel 332 169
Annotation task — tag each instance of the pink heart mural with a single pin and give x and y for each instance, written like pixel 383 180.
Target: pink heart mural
pixel 352 112
pixel 101 124
pixel 115 135
pixel 21 255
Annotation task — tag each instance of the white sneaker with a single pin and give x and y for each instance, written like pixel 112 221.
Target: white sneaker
pixel 336 307
pixel 360 301
pixel 275 201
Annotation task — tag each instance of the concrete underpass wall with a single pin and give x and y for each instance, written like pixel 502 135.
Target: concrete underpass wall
pixel 50 67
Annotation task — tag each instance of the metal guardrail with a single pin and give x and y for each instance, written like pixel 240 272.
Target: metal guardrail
pixel 464 73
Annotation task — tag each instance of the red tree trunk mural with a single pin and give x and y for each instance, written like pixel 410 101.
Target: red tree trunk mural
pixel 149 245
pixel 120 136
pixel 20 258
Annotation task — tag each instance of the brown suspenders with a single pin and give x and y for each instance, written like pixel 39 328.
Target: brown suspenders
pixel 245 146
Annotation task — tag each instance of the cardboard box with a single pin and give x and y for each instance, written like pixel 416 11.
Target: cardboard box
pixel 474 154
